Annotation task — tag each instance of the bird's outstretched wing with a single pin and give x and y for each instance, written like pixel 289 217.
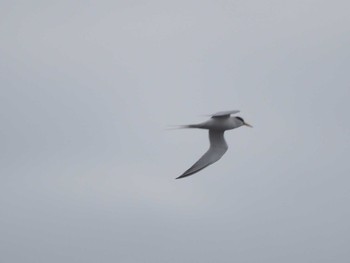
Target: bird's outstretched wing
pixel 217 149
pixel 224 114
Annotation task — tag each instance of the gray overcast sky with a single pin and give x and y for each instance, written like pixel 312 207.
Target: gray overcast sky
pixel 87 165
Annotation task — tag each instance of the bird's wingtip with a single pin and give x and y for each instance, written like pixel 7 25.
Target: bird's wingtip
pixel 181 176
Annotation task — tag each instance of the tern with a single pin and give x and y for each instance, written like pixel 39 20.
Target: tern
pixel 217 125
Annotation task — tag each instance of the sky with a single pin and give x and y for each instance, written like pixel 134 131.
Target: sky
pixel 87 165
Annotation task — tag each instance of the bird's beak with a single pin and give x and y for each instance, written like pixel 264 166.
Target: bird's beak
pixel 247 124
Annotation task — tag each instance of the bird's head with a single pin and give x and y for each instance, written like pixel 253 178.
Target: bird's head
pixel 242 122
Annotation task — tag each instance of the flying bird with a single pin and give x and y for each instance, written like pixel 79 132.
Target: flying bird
pixel 217 125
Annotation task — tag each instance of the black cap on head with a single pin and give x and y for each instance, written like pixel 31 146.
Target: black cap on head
pixel 241 119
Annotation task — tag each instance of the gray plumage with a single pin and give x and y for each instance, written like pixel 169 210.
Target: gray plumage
pixel 217 125
pixel 224 113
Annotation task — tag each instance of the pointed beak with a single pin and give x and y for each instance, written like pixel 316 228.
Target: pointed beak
pixel 247 124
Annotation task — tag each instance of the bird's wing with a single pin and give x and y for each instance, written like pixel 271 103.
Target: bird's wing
pixel 217 149
pixel 224 114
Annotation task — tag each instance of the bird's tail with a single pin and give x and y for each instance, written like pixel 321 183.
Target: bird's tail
pixel 175 127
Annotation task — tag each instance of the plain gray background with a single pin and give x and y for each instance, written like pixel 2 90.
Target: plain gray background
pixel 87 165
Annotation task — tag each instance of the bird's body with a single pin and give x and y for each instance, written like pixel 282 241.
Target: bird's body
pixel 217 125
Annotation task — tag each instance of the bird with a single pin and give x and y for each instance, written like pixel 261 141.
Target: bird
pixel 217 125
